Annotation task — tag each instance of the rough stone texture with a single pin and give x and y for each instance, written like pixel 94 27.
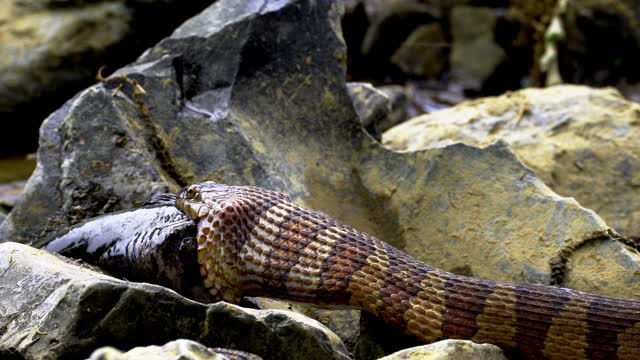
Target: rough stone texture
pixel 424 52
pixel 474 54
pixel 175 350
pixel 372 106
pixel 36 43
pixel 582 142
pixel 364 335
pixel 51 49
pixel 343 322
pixel 604 265
pixel 54 308
pixel 449 350
pixel 222 102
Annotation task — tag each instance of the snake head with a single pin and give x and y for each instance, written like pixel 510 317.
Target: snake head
pixel 198 199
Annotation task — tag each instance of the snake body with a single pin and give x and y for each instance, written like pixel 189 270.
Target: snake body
pixel 256 242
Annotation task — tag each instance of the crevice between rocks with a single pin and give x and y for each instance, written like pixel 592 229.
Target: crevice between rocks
pixel 155 142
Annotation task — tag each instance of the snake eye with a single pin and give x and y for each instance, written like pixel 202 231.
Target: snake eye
pixel 191 192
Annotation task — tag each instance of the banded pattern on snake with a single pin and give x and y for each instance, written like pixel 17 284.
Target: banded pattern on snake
pixel 256 242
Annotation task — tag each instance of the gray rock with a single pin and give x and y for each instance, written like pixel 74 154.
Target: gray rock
pixel 343 322
pixel 449 350
pixel 50 49
pixel 372 106
pixel 380 108
pixel 175 350
pixel 587 58
pixel 474 54
pixel 375 29
pixel 52 307
pixel 424 52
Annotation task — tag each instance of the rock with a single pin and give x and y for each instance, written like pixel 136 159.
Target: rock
pixel 372 106
pixel 417 98
pixel 43 51
pixel 38 50
pixel 424 52
pixel 474 54
pixel 604 265
pixel 50 306
pixel 51 49
pixel 179 349
pixel 580 141
pixel 400 105
pixel 2 217
pixel 343 322
pixel 364 335
pixel 218 100
pixel 450 350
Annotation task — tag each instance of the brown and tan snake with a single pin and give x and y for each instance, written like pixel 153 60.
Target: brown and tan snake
pixel 256 242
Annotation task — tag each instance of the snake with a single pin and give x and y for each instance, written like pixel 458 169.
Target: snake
pixel 254 241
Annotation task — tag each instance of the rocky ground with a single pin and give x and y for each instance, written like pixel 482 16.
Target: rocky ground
pixel 536 185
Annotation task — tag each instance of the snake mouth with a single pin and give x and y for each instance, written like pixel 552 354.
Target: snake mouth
pixel 194 210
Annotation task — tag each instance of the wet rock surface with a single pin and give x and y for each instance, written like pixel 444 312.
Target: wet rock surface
pixel 59 309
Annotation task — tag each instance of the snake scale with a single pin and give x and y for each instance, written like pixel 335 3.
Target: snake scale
pixel 256 242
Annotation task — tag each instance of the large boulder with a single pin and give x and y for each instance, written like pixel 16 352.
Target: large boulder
pixel 52 307
pixel 582 142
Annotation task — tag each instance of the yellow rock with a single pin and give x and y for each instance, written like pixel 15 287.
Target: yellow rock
pixel 582 142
